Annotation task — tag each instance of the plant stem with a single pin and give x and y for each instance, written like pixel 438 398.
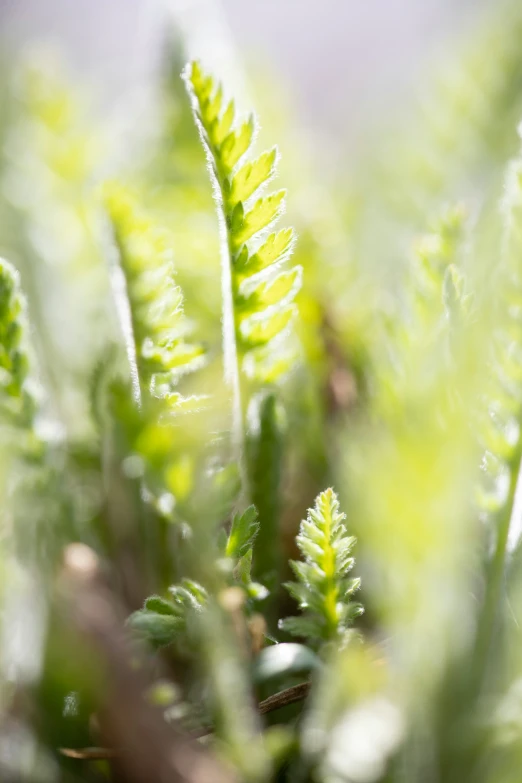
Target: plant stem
pixel 283 698
pixel 496 572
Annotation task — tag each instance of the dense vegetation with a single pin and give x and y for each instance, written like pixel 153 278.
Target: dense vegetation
pixel 261 450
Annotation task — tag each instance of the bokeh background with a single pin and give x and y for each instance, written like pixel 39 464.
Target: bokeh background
pixel 347 63
pixel 396 120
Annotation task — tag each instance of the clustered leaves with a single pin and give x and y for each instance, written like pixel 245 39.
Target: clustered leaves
pixel 163 621
pixel 194 515
pixel 323 589
pixel 157 344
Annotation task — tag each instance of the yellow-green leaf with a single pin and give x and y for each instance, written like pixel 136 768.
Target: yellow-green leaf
pixel 251 176
pixel 282 288
pixel 259 331
pixel 276 247
pixel 235 145
pixel 264 212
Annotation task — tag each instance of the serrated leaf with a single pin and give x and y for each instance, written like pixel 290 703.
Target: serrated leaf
pixel 242 533
pixel 277 246
pixel 251 176
pixel 322 589
pixel 257 331
pixel 222 125
pixel 309 548
pixel 235 145
pixel 348 587
pixel 305 572
pixel 156 337
pixel 237 183
pixel 263 213
pixel 244 567
pixel 158 629
pixel 269 367
pixel 189 594
pixel 303 627
pixel 213 105
pixel 281 290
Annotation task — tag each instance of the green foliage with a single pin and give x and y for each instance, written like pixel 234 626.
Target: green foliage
pixel 323 588
pixel 265 458
pixel 129 490
pixel 157 348
pixel 17 402
pixel 259 296
pixel 236 550
pixel 49 160
pixel 243 531
pixel 161 621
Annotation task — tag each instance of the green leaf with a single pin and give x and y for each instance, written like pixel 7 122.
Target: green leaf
pixel 251 176
pixel 156 336
pixel 157 629
pixel 322 589
pixel 16 401
pixel 245 295
pixel 189 595
pixel 278 291
pixel 262 214
pixel 303 627
pixel 235 145
pixel 242 533
pixel 260 329
pixel 276 248
pixel 159 605
pixel 244 567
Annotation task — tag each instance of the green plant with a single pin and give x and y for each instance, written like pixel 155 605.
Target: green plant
pixel 323 590
pixel 153 491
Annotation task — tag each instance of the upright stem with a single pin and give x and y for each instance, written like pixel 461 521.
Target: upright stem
pixel 230 352
pixel 496 572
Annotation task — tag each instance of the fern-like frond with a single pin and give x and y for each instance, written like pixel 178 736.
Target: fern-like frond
pixel 323 589
pixel 436 300
pixel 436 260
pixel 17 404
pixel 499 423
pixel 500 420
pixel 155 328
pixel 52 156
pixel 258 294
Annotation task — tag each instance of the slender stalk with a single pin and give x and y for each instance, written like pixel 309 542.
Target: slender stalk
pixel 495 573
pixel 230 352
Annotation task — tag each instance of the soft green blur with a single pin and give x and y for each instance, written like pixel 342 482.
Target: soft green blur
pixel 406 398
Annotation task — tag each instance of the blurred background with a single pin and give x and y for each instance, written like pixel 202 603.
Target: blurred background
pixel 396 120
pixel 346 63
